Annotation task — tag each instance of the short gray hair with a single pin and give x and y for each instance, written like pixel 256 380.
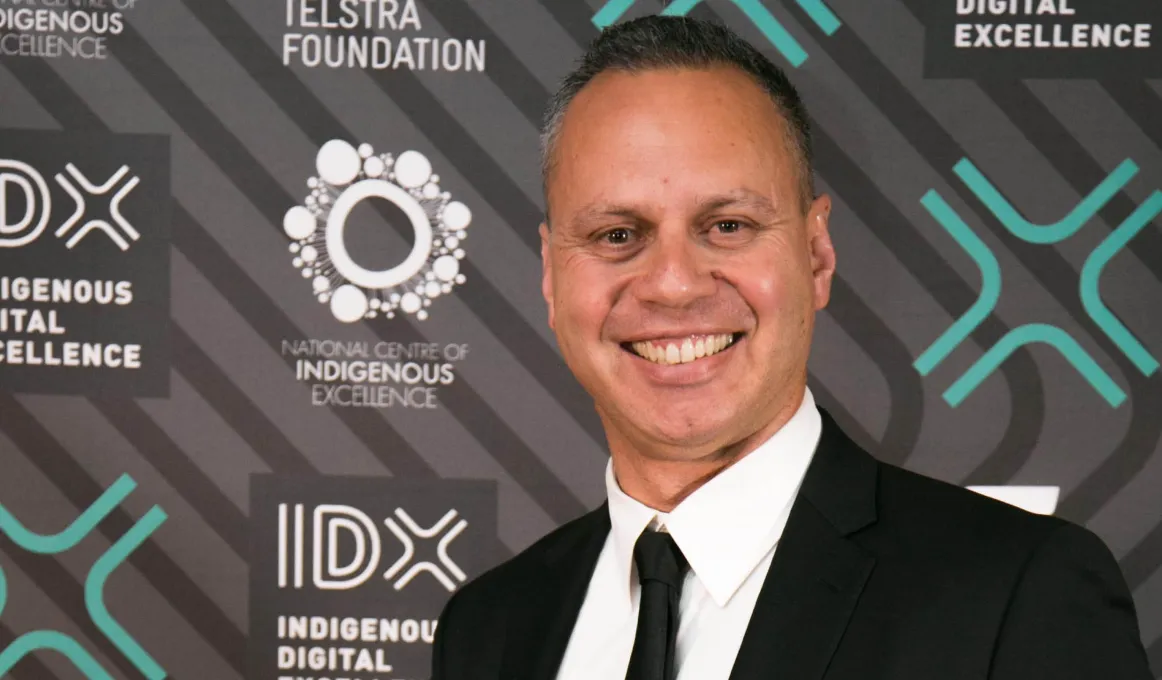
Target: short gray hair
pixel 665 42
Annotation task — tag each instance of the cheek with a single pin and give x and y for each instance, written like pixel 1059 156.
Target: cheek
pixel 760 286
pixel 582 297
pixel 777 291
pixel 762 292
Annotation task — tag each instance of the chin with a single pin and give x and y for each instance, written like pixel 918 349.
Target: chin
pixel 698 433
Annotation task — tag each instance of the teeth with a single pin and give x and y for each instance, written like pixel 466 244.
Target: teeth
pixel 684 351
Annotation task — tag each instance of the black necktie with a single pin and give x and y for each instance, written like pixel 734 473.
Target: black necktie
pixel 660 569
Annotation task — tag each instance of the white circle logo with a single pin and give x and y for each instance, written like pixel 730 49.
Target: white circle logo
pixel 348 176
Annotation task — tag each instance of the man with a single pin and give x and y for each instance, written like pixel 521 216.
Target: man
pixel 685 255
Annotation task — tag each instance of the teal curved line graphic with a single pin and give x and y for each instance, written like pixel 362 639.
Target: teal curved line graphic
pixel 57 642
pixel 821 15
pixel 3 592
pixel 990 287
pixel 1044 233
pixel 81 526
pixel 760 16
pixel 611 12
pixel 1030 333
pixel 95 593
pixel 1091 276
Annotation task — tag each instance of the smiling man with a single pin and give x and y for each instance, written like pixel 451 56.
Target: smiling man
pixel 685 257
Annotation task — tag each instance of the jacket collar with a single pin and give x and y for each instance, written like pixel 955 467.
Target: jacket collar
pixel 818 573
pixel 841 480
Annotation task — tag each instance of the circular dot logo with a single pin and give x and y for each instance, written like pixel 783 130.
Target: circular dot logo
pixel 348 176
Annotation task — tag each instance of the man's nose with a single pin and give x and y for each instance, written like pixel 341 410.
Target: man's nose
pixel 675 272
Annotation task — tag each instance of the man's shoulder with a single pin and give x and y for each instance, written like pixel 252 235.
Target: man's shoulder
pixel 519 572
pixel 475 621
pixel 950 519
pixel 906 509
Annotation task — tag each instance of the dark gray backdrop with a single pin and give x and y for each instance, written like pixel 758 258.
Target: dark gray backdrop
pixel 244 130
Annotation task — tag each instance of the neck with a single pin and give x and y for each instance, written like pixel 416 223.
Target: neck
pixel 662 475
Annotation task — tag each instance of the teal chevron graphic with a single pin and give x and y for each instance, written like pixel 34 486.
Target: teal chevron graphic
pixel 990 291
pixel 94 585
pixel 754 10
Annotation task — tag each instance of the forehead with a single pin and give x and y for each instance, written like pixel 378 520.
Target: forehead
pixel 657 134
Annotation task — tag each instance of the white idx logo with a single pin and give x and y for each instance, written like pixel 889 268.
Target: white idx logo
pixel 19 228
pixel 332 525
pixel 348 176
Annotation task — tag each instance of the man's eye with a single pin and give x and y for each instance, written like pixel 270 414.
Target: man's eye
pixel 618 237
pixel 728 226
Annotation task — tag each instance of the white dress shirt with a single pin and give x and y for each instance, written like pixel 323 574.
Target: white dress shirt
pixel 727 529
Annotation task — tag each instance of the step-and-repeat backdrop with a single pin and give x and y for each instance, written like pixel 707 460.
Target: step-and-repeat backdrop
pixel 275 377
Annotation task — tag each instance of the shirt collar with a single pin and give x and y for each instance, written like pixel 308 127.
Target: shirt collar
pixel 730 523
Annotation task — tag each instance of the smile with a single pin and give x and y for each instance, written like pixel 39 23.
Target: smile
pixel 673 351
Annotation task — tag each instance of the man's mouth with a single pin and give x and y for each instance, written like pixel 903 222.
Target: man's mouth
pixel 683 350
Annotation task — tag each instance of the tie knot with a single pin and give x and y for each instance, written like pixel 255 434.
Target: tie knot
pixel 658 559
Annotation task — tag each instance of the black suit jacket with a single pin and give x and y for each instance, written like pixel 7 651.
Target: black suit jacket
pixel 880 574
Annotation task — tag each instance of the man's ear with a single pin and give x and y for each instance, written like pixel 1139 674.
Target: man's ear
pixel 547 273
pixel 822 251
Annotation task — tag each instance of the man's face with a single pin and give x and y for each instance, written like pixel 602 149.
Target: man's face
pixel 681 270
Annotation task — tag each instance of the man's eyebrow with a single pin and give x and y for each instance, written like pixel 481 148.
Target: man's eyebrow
pixel 597 211
pixel 741 198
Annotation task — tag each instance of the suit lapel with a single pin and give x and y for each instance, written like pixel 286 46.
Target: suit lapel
pixel 817 574
pixel 542 622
